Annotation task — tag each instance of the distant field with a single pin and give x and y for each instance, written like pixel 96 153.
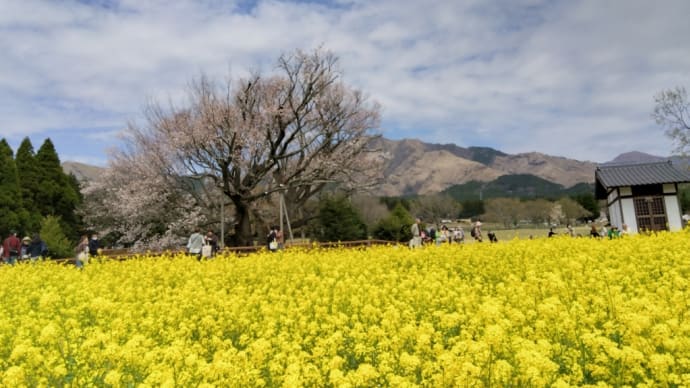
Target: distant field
pixel 522 233
pixel 525 233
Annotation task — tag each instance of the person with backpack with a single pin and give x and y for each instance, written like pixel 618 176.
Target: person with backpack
pixel 476 231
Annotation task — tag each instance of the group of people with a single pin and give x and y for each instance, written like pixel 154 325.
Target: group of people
pixel 609 231
pixel 477 235
pixel 275 239
pixel 14 250
pixel 206 246
pixel 202 246
pixel 422 236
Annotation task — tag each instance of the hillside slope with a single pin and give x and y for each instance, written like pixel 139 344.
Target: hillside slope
pixel 415 167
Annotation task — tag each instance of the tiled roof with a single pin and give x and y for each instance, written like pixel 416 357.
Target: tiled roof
pixel 639 174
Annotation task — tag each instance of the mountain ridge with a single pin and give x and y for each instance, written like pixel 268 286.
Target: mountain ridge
pixel 415 167
pixel 411 166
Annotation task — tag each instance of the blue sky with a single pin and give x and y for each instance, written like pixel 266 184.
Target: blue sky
pixel 567 78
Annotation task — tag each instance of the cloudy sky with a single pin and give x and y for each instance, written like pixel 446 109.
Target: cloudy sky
pixel 568 78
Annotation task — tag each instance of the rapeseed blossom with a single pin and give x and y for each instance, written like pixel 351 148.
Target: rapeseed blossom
pixel 551 312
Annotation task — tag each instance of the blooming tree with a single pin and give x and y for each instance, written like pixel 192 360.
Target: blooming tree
pixel 292 132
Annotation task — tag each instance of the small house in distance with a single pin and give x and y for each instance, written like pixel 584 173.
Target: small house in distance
pixel 642 195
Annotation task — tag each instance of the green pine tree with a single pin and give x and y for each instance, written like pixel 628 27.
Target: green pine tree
pixel 57 194
pixel 340 221
pixel 29 184
pixel 59 247
pixel 10 195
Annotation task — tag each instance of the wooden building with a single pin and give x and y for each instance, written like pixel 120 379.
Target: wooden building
pixel 644 196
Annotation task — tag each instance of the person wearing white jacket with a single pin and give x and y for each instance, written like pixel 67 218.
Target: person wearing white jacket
pixel 195 243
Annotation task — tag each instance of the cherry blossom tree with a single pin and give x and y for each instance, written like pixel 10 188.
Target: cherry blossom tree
pixel 290 133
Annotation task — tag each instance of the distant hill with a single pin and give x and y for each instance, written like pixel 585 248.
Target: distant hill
pixel 635 157
pixel 515 186
pixel 414 167
pixel 83 172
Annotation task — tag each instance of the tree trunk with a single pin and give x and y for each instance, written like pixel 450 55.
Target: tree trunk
pixel 243 226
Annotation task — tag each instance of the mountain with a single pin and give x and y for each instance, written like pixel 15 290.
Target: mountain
pixel 83 172
pixel 635 157
pixel 414 167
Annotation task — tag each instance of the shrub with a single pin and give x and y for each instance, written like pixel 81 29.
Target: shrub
pixel 59 247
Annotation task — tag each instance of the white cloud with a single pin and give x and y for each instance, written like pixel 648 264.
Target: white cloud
pixel 566 78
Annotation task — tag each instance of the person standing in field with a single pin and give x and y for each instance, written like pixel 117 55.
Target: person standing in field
pixel 24 251
pixel 415 229
pixel 492 237
pixel 280 237
pixel 212 240
pixel 93 244
pixel 82 252
pixel 604 232
pixel 443 236
pixel 570 230
pixel 195 243
pixel 38 248
pixel 11 248
pixel 476 231
pixel 458 235
pixel 272 239
pixel 593 232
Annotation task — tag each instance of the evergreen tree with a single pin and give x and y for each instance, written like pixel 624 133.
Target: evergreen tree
pixel 340 221
pixel 57 195
pixel 59 247
pixel 29 184
pixel 471 208
pixel 395 227
pixel 589 202
pixel 10 196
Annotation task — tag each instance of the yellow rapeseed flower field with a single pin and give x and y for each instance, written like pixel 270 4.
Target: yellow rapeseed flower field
pixel 548 312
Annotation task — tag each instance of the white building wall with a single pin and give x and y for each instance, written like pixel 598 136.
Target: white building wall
pixel 615 216
pixel 629 218
pixel 673 213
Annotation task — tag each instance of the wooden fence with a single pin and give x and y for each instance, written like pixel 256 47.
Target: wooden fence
pixel 125 254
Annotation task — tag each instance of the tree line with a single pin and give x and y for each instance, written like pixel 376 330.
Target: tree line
pixel 389 218
pixel 37 196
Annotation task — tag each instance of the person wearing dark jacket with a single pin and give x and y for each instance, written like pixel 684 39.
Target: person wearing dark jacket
pixel 93 245
pixel 37 248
